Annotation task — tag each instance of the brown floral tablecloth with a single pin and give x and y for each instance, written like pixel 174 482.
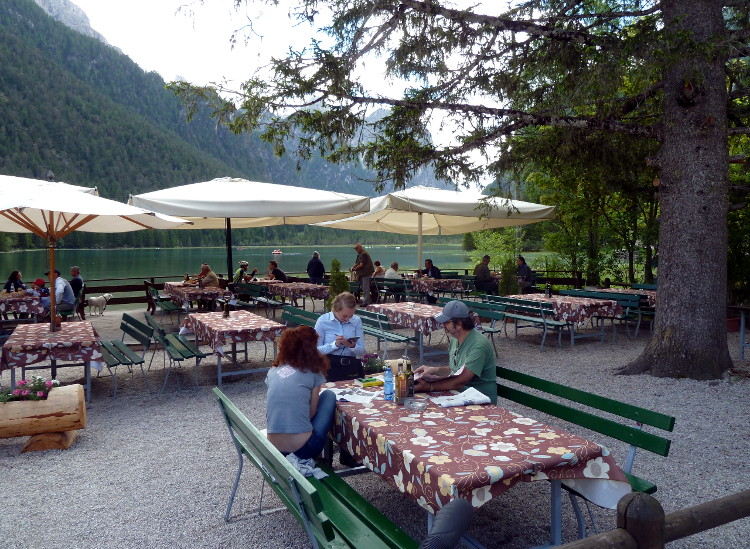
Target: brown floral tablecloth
pixel 32 343
pixel 182 293
pixel 26 304
pixel 576 309
pixel 294 290
pixel 648 294
pixel 437 284
pixel 241 326
pixel 419 317
pixel 472 452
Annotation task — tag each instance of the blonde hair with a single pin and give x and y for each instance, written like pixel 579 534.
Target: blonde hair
pixel 345 300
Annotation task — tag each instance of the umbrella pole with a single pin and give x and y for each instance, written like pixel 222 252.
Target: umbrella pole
pixel 419 240
pixel 230 263
pixel 53 279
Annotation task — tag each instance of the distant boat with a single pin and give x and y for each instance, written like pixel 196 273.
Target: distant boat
pixel 277 251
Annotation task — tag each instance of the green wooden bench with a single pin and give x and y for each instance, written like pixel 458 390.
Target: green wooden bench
pixel 177 348
pixel 295 316
pixel 259 294
pixel 163 303
pixel 378 326
pixel 644 286
pixel 118 353
pixel 529 313
pixel 391 287
pixel 332 513
pixel 630 304
pixel 616 428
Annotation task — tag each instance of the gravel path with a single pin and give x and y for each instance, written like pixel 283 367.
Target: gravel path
pixel 156 470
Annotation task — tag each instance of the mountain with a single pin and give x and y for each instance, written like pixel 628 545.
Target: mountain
pixel 75 106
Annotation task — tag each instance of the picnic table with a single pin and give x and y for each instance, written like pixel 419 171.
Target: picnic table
pixel 183 293
pixel 21 304
pixel 574 309
pixel 431 285
pixel 240 327
pixel 650 295
pixel 419 317
pixel 474 452
pixel 33 343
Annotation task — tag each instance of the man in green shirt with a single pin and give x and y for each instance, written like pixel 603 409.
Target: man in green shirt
pixel 468 349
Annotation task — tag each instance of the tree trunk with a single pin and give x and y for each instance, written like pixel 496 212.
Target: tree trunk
pixel 690 337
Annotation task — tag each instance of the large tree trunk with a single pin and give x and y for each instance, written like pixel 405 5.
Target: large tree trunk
pixel 690 338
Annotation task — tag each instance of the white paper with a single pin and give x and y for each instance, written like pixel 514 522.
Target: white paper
pixel 465 398
pixel 355 394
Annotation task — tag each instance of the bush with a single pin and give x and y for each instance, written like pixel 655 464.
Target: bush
pixel 508 284
pixel 338 283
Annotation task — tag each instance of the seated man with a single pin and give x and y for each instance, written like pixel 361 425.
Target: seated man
pixel 525 276
pixel 64 298
pixel 241 274
pixel 207 279
pixel 470 353
pixel 274 273
pixel 485 282
pixel 76 280
pixel 430 271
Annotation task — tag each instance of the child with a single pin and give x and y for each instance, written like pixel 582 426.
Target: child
pixel 38 289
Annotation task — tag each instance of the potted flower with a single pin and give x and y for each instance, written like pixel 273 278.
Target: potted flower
pixel 36 388
pixel 372 363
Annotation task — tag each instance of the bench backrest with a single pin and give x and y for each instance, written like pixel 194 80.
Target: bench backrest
pixel 374 319
pixel 295 315
pixel 157 328
pixel 294 490
pixel 448 274
pixel 524 306
pixel 644 286
pixel 136 329
pixel 244 288
pixel 634 436
pixel 391 284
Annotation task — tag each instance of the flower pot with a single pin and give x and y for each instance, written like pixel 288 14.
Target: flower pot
pixel 63 410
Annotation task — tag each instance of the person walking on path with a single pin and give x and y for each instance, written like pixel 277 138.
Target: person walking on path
pixel 315 269
pixel 363 269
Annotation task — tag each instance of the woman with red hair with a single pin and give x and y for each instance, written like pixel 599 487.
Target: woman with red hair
pixel 299 413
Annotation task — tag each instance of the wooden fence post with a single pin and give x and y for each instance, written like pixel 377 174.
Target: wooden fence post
pixel 643 518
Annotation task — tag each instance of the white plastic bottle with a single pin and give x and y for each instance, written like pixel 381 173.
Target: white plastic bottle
pixel 388 383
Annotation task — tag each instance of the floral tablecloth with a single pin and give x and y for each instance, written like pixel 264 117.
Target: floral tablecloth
pixel 182 293
pixel 241 326
pixel 26 304
pixel 294 290
pixel 648 294
pixel 472 452
pixel 419 317
pixel 32 343
pixel 576 309
pixel 429 285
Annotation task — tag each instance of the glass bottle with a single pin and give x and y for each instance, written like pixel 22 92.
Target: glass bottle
pixel 548 291
pixel 388 383
pixel 409 380
pixel 226 309
pixel 400 384
pixel 187 277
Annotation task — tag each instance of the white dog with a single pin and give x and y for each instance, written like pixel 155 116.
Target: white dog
pixel 99 303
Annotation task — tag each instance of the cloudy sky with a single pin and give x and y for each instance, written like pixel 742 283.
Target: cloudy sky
pixel 188 39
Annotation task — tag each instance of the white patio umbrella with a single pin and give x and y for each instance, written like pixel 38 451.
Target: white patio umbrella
pixel 226 202
pixel 427 210
pixel 53 210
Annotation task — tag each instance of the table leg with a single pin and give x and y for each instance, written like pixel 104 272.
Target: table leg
pixel 742 335
pixel 419 337
pixel 87 369
pixel 12 378
pixel 556 513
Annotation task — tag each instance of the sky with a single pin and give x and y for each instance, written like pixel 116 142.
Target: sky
pixel 184 38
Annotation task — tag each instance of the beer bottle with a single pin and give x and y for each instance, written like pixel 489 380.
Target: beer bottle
pixel 400 384
pixel 409 380
pixel 187 277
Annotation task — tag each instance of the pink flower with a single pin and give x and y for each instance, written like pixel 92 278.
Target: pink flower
pixel 24 393
pixel 48 383
pixel 40 394
pixel 22 382
pixel 16 392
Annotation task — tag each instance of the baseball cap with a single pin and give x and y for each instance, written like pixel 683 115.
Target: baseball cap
pixel 40 282
pixel 56 272
pixel 244 263
pixel 453 309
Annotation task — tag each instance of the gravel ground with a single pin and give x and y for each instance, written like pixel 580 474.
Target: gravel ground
pixel 155 470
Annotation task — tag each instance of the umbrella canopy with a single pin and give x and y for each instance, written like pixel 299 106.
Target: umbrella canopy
pixel 53 210
pixel 250 204
pixel 226 202
pixel 427 210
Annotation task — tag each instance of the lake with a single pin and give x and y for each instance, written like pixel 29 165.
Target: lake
pixel 144 263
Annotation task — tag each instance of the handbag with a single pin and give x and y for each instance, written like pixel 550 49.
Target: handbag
pixel 344 367
pixel 355 276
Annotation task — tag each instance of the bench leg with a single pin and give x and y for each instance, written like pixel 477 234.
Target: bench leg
pixel 236 484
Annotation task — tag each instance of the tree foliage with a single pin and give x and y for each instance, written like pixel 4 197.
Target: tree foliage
pixel 670 76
